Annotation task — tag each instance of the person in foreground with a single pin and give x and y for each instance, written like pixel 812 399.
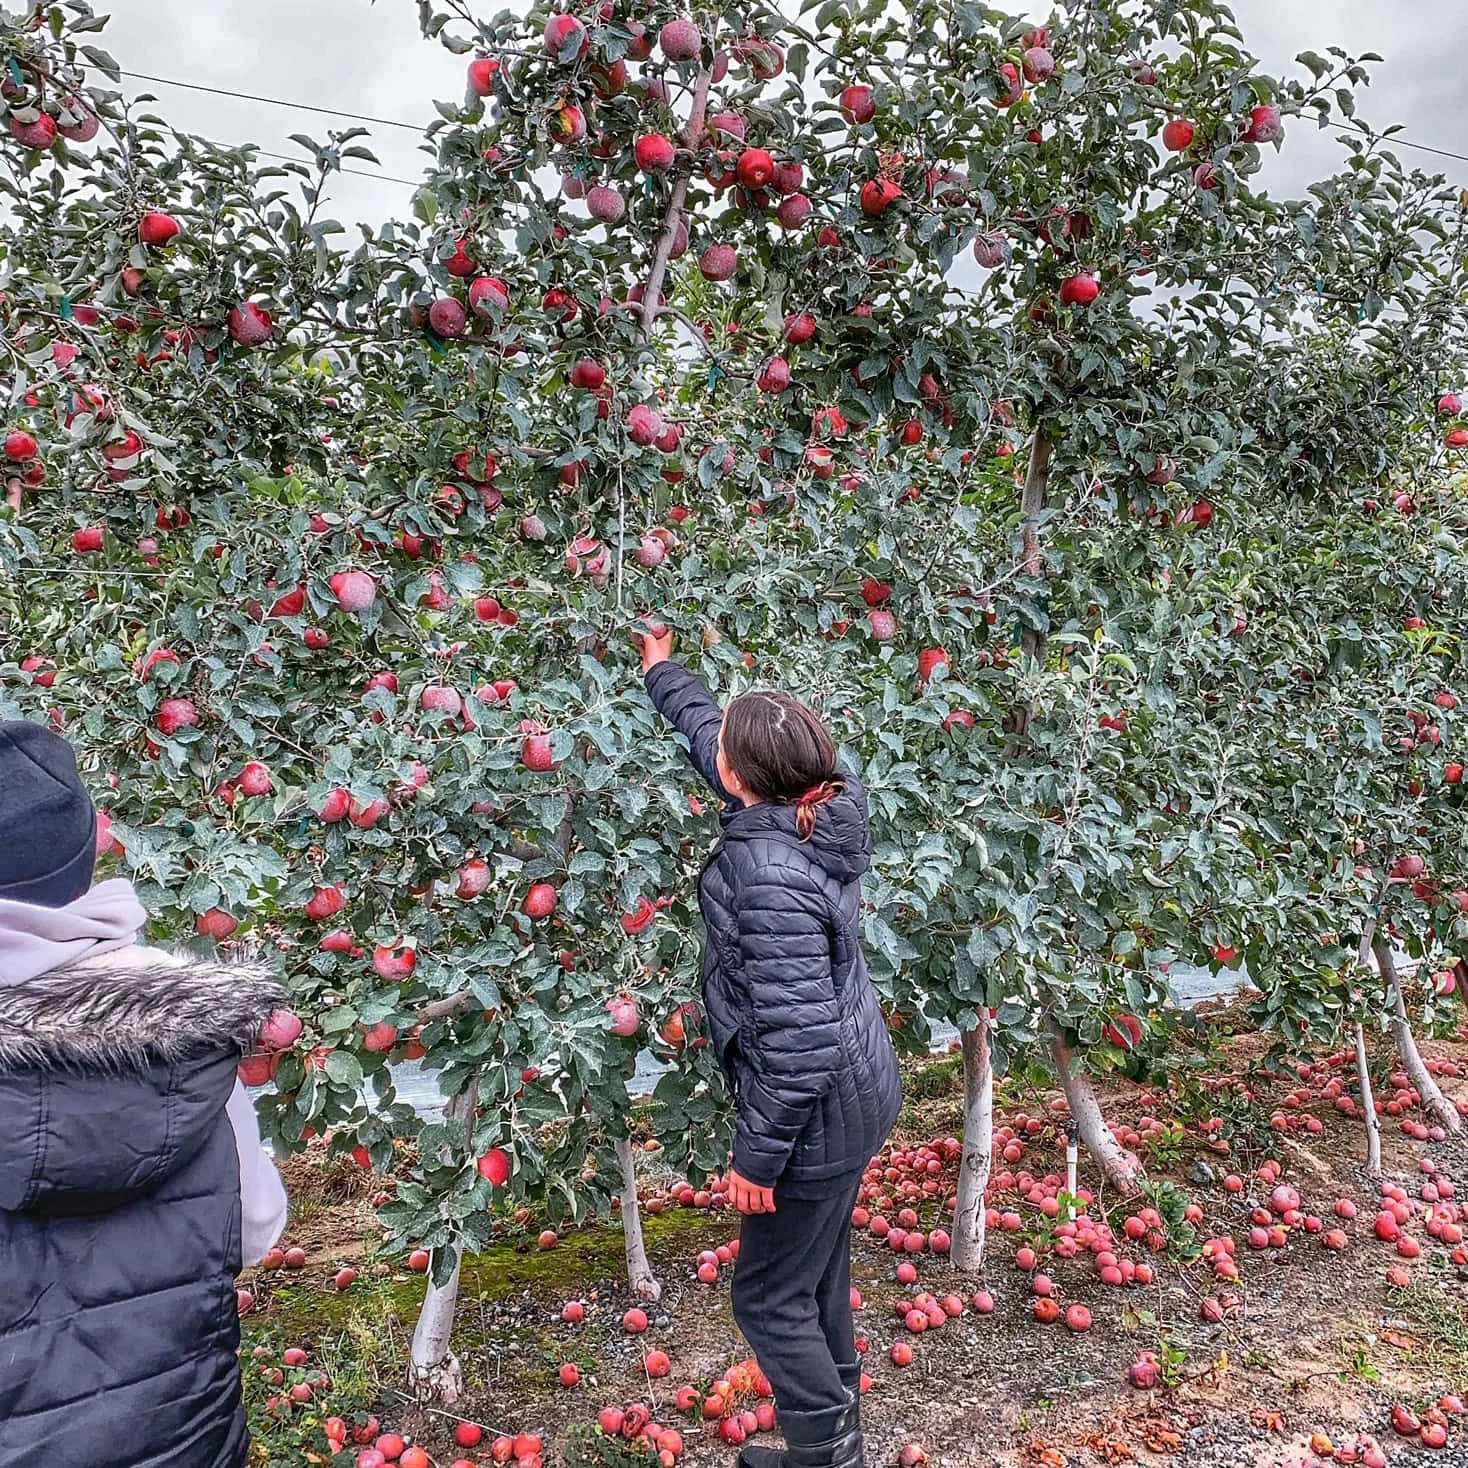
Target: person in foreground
pixel 795 1021
pixel 133 1184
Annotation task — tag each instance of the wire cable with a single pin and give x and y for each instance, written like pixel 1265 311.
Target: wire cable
pixel 1407 143
pixel 418 127
pixel 360 172
pixel 164 81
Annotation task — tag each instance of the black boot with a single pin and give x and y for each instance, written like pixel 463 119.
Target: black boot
pixel 830 1439
pixel 827 1439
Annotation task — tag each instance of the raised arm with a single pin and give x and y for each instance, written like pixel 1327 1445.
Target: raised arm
pixel 682 699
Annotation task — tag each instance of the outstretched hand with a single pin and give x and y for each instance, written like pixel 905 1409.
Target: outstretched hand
pixel 656 643
pixel 749 1197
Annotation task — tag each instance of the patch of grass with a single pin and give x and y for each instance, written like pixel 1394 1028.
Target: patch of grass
pixel 1442 1319
pixel 286 1434
pixel 380 1308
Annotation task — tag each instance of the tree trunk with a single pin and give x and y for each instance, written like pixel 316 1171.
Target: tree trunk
pixel 1363 1068
pixel 1368 1106
pixel 1033 641
pixel 1437 1106
pixel 978 1148
pixel 639 1272
pixel 1072 1170
pixel 434 1374
pixel 690 139
pixel 1123 1169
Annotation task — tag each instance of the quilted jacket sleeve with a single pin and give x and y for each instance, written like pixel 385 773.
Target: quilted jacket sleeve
pixel 784 944
pixel 682 699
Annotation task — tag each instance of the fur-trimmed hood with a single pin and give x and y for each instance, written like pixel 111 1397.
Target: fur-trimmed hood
pixel 115 1070
pixel 134 1007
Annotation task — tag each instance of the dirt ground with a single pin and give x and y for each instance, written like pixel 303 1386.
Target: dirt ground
pixel 1319 1343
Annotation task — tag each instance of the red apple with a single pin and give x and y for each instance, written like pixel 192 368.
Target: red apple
pixel 216 924
pixel 1079 290
pixel 858 105
pixel 718 262
pixel 355 591
pixel 481 75
pixel 1177 136
pixel 877 194
pixel 249 324
pixel 281 1030
pixel 157 228
pixel 654 153
pixel 680 40
pixel 395 961
pixel 494 1166
pixel 559 33
pixel 624 1016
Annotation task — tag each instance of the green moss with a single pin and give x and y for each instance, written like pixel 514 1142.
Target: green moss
pixel 380 1308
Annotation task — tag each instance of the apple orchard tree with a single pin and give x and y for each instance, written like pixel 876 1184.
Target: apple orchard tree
pixel 324 549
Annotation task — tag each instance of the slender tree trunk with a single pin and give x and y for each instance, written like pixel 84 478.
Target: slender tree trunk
pixel 639 1272
pixel 1033 641
pixel 1438 1107
pixel 1368 1106
pixel 1123 1169
pixel 978 1148
pixel 690 138
pixel 1072 1169
pixel 1363 1067
pixel 434 1374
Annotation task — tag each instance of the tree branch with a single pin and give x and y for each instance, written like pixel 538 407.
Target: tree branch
pixel 692 133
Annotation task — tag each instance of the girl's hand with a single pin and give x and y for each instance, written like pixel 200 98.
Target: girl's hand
pixel 749 1197
pixel 656 643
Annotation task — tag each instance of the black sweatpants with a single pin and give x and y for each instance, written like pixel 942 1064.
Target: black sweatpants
pixel 792 1293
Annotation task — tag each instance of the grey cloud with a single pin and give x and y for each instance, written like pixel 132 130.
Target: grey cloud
pixel 369 58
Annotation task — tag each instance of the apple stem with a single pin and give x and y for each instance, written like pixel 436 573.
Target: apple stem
pixel 1122 1169
pixel 1437 1106
pixel 644 1283
pixel 969 1220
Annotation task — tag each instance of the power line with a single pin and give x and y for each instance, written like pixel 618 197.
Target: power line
pixel 412 127
pixel 1407 143
pixel 418 127
pixel 360 172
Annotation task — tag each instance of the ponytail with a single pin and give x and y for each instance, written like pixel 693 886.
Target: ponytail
pixel 806 806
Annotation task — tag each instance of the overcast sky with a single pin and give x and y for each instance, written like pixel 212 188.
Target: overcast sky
pixel 369 58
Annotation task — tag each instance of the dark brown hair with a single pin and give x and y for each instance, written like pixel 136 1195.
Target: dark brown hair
pixel 780 748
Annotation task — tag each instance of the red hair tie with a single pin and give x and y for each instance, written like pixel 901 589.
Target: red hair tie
pixel 805 807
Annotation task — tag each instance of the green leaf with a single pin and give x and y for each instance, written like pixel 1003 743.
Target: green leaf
pixel 344 1068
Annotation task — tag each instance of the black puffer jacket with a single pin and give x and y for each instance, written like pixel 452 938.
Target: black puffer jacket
pixel 792 1013
pixel 120 1227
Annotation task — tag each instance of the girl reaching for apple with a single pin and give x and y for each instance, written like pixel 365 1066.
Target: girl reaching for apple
pixel 796 1025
